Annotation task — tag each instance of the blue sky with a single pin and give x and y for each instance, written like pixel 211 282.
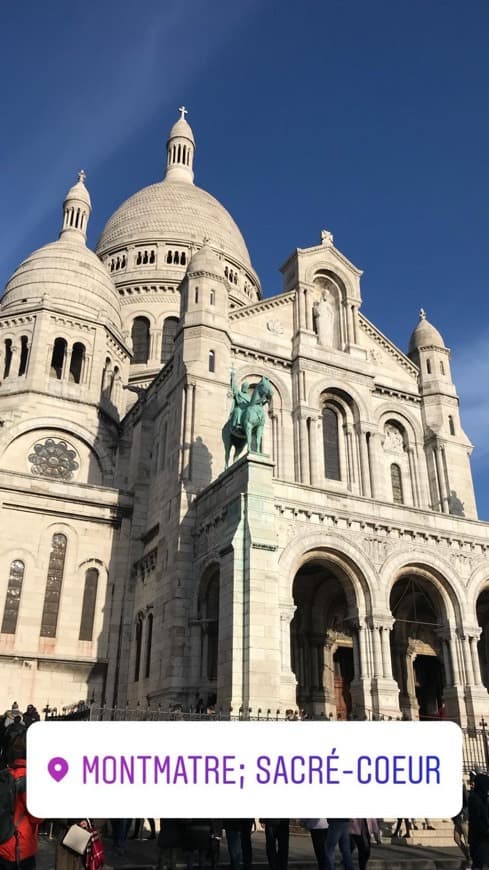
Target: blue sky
pixel 369 118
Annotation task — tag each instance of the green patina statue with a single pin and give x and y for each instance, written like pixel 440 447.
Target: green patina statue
pixel 247 418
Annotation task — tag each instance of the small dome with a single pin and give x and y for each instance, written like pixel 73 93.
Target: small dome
pixel 205 260
pixel 182 128
pixel 68 273
pixel 425 335
pixel 79 191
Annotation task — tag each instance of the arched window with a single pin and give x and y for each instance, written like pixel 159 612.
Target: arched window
pixel 58 359
pixel 212 297
pixel 12 599
pixel 196 294
pixel 331 444
pixel 183 259
pixel 442 367
pixel 139 258
pixel 451 425
pixel 149 639
pixel 76 362
pixel 139 641
pixel 24 354
pixel 428 366
pixel 8 357
pixel 176 258
pixel 88 606
pixel 212 361
pixel 169 331
pixel 396 481
pixel 169 257
pixel 152 257
pixel 49 619
pixel 140 340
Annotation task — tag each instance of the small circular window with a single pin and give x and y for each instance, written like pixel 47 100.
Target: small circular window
pixel 55 459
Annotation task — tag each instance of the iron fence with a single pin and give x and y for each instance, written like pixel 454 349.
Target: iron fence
pixel 475 740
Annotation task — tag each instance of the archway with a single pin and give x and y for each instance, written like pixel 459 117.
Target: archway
pixel 482 610
pixel 323 640
pixel 420 657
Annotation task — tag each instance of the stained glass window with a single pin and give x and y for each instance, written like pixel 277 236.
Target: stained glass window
pixel 331 444
pixel 49 619
pixel 12 600
pixel 396 484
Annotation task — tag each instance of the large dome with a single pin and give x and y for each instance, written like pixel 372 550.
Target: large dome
pixel 68 273
pixel 176 212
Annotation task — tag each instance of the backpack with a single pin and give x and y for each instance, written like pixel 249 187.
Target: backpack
pixel 8 793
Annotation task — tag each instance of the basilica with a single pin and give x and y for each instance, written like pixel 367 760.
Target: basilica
pixel 338 567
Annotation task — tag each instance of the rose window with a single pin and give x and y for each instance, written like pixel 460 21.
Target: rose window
pixel 53 459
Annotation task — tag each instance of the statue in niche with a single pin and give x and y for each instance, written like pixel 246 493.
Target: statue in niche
pixel 393 440
pixel 455 506
pixel 323 317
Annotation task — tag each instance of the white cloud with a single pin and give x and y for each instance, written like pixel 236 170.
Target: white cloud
pixel 147 74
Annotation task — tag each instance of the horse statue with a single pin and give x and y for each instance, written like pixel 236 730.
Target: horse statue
pixel 247 418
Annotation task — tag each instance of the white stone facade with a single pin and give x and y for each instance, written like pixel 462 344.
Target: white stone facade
pixel 344 570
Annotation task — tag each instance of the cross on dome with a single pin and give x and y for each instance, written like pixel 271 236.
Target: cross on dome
pixel 422 314
pixel 82 175
pixel 184 112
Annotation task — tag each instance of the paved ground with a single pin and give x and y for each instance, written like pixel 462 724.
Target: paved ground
pixel 144 854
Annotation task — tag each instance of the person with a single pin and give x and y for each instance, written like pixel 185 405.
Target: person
pixel 241 401
pixel 31 715
pixel 277 842
pixel 120 830
pixel 318 829
pixel 407 822
pixel 202 836
pixel 238 837
pixel 361 831
pixel 460 827
pixel 137 829
pixel 170 840
pixel 478 808
pixel 19 852
pixel 337 835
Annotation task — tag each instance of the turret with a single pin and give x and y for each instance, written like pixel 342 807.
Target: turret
pixel 180 151
pixel 77 208
pixel 447 447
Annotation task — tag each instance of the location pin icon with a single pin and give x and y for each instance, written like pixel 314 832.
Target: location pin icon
pixel 58 768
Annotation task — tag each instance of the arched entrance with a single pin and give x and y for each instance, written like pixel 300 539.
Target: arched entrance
pixel 323 639
pixel 419 660
pixel 482 610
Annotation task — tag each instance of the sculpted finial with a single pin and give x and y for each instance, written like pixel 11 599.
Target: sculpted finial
pixel 82 175
pixel 183 111
pixel 327 238
pixel 422 314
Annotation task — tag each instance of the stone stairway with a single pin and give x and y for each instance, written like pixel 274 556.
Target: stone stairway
pixel 439 838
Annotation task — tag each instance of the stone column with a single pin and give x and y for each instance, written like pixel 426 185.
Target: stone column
pixel 413 476
pixel 308 307
pixel 473 641
pixel 364 462
pixel 314 432
pixel 386 650
pixel 376 648
pixel 375 468
pixel 440 473
pixel 304 451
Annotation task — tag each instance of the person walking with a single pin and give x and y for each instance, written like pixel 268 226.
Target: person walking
pixel 338 835
pixel 138 824
pixel 361 831
pixel 461 828
pixel 277 842
pixel 478 804
pixel 120 830
pixel 238 837
pixel 318 829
